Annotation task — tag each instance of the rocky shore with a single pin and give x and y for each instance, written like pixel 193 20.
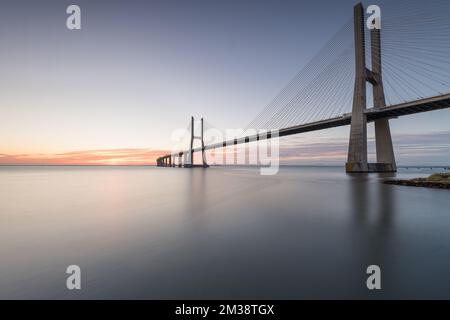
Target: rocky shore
pixel 439 181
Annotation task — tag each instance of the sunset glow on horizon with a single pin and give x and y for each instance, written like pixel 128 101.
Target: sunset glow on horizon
pixel 128 157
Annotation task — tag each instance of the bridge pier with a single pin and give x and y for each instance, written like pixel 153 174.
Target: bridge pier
pixel 357 152
pixel 190 160
pixel 385 150
pixel 383 138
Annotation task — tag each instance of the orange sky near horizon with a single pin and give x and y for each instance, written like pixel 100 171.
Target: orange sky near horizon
pixel 89 157
pixel 124 157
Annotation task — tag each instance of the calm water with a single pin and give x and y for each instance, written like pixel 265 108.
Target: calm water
pixel 169 233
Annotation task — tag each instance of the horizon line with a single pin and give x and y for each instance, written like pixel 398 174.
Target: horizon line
pixel 447 167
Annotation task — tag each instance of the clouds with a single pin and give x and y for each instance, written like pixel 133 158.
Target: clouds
pixel 410 149
pixel 88 157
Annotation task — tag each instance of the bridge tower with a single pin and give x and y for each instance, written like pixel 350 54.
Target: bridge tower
pixel 357 152
pixel 189 163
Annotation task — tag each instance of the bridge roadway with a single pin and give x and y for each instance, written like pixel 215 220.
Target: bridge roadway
pixel 394 111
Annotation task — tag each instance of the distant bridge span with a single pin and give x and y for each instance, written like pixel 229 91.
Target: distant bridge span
pixel 394 111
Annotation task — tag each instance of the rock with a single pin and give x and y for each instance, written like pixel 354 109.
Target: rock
pixel 439 180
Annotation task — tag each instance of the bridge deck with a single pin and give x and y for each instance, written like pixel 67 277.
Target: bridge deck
pixel 394 111
pixel 408 108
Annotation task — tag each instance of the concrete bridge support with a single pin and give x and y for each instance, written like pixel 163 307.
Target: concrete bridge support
pixel 357 152
pixel 170 161
pixel 384 146
pixel 190 159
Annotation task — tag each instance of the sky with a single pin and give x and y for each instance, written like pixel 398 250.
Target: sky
pixel 115 91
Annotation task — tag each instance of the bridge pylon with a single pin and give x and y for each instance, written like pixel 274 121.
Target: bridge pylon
pixel 189 162
pixel 357 152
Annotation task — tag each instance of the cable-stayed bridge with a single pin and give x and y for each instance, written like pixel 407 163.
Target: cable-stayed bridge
pixel 404 69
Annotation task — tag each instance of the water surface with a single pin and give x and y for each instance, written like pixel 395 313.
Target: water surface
pixel 220 233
